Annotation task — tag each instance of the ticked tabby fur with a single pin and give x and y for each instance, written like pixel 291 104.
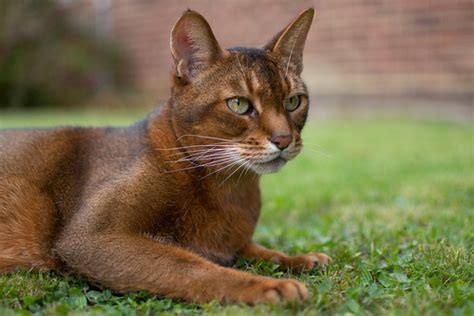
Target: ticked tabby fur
pixel 164 205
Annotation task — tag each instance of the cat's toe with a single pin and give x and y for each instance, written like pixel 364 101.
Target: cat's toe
pixel 275 291
pixel 286 290
pixel 308 262
pixel 320 259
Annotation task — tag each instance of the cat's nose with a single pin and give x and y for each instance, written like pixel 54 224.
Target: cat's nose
pixel 281 140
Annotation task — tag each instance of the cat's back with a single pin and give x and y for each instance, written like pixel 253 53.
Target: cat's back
pixel 33 152
pixel 41 151
pixel 37 153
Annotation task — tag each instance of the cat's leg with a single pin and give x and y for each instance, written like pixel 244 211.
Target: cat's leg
pixel 126 262
pixel 27 224
pixel 295 263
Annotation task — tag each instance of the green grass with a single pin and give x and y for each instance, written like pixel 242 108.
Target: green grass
pixel 391 201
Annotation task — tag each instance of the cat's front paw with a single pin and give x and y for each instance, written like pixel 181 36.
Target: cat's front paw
pixel 273 291
pixel 306 262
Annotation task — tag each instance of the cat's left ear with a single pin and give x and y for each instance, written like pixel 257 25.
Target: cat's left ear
pixel 193 45
pixel 289 43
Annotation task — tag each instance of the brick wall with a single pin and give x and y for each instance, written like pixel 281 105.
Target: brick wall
pixel 355 48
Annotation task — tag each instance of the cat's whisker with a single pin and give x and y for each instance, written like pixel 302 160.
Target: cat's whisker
pixel 206 137
pixel 210 164
pixel 243 171
pixel 251 164
pixel 306 155
pixel 318 152
pixel 230 175
pixel 215 155
pixel 198 153
pixel 206 158
pixel 248 165
pixel 211 153
pixel 239 160
pixel 197 150
pixel 316 148
pixel 195 146
pixel 313 157
pixel 219 162
pixel 210 156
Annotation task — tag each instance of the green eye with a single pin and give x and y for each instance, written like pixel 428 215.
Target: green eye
pixel 238 105
pixel 292 103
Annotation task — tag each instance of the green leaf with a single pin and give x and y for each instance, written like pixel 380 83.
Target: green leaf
pixel 401 277
pixel 29 300
pixel 353 306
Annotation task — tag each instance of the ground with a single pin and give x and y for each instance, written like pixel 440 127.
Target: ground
pixel 391 201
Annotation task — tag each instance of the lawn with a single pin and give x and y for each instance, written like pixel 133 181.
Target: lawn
pixel 391 201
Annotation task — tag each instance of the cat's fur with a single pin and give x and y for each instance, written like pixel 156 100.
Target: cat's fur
pixel 164 204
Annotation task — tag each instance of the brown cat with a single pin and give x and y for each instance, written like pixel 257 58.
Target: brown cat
pixel 164 204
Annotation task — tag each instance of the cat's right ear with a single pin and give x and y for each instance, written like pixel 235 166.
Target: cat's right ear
pixel 193 45
pixel 290 42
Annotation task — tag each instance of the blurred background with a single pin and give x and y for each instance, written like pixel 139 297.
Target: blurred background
pixel 363 58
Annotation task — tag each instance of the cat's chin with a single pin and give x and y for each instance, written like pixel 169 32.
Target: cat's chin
pixel 269 166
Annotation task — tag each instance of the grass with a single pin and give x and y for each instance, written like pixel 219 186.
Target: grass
pixel 391 201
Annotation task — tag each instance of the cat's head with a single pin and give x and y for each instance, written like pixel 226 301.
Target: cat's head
pixel 241 107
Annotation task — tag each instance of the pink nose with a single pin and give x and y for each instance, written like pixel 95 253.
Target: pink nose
pixel 281 140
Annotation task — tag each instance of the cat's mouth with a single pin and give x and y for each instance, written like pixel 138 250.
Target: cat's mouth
pixel 268 161
pixel 269 166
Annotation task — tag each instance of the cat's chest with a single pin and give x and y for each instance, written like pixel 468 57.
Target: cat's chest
pixel 218 231
pixel 215 228
pixel 221 237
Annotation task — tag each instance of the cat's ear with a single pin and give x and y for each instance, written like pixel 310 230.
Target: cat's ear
pixel 289 43
pixel 193 45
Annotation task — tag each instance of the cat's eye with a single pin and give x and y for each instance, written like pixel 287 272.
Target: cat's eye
pixel 239 105
pixel 292 103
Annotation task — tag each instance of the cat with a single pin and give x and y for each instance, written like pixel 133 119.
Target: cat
pixel 166 205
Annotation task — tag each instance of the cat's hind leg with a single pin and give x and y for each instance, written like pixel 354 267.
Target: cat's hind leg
pixel 27 220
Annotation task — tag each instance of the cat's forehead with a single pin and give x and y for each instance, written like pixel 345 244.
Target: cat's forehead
pixel 250 52
pixel 254 58
pixel 263 72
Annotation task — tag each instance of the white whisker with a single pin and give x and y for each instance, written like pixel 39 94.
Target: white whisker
pixel 225 167
pixel 206 137
pixel 210 157
pixel 318 152
pixel 230 175
pixel 210 164
pixel 199 151
pixel 248 165
pixel 196 146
